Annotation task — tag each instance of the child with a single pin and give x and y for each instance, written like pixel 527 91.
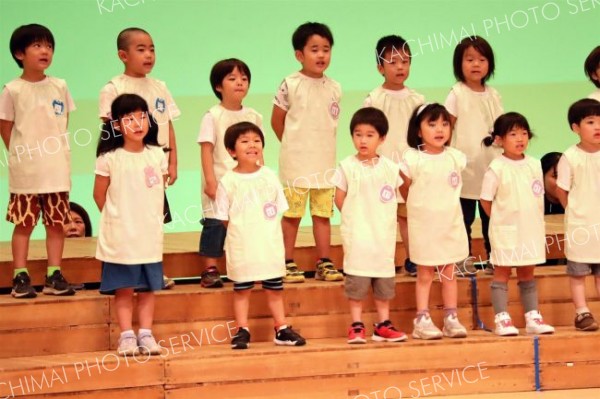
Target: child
pixel 398 103
pixel 474 106
pixel 552 204
pixel 512 195
pixel 136 51
pixel 230 81
pixel 305 116
pixel 34 111
pixel 579 192
pixel 432 184
pixel 129 190
pixel 249 197
pixel 592 70
pixel 366 197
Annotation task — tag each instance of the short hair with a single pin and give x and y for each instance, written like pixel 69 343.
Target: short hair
pixel 591 65
pixel 234 131
pixel 25 35
pixel 224 68
pixel 78 209
pixel 125 35
pixel 308 29
pixel 581 109
pixel 504 124
pixel 479 44
pixel 549 161
pixel 425 112
pixel 370 116
pixel 390 43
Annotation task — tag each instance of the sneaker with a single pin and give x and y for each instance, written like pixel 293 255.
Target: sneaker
pixel 453 328
pixel 466 268
pixel 293 274
pixel 386 332
pixel 210 278
pixel 148 346
pixel 534 324
pixel 425 329
pixel 488 268
pixel 504 325
pixel 22 286
pixel 128 346
pixel 585 322
pixel 241 340
pixel 168 283
pixel 356 333
pixel 326 271
pixel 410 268
pixel 57 285
pixel 287 336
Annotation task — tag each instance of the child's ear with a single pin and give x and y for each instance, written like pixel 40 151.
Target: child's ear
pixel 498 140
pixel 232 153
pixel 219 88
pixel 380 69
pixel 122 55
pixel 299 56
pixel 19 55
pixel 575 127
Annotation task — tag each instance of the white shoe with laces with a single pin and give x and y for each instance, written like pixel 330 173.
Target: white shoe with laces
pixel 148 345
pixel 504 325
pixel 453 328
pixel 425 329
pixel 535 324
pixel 128 346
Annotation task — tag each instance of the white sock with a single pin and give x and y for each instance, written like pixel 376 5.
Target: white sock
pixel 144 331
pixel 584 309
pixel 127 333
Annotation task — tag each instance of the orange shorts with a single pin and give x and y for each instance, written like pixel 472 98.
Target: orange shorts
pixel 24 209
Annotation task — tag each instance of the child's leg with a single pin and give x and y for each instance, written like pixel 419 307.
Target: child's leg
pixel 597 279
pixel 124 308
pixel 356 307
pixel 241 304
pixel 289 226
pixel 449 288
pixel 55 241
pixel 284 335
pixel 383 309
pixel 275 302
pixel 422 287
pixel 212 240
pixel 403 224
pixel 145 305
pixel 20 245
pixel 321 210
pixel 578 291
pixel 322 234
pixel 527 288
pixel 468 210
pixel 499 288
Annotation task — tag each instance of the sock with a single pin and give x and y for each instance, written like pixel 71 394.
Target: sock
pixel 20 270
pixel 499 296
pixel 584 309
pixel 52 269
pixel 358 324
pixel 421 314
pixel 144 331
pixel 127 333
pixel 449 312
pixel 528 292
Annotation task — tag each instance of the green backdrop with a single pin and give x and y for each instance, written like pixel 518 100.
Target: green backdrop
pixel 540 47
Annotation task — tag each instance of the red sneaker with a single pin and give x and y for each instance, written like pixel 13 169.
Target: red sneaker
pixel 356 333
pixel 386 332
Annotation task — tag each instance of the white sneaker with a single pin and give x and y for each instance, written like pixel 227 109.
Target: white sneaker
pixel 535 324
pixel 453 328
pixel 148 345
pixel 425 329
pixel 128 346
pixel 504 325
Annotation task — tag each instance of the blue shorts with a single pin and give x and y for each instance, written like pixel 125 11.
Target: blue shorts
pixel 212 238
pixel 142 278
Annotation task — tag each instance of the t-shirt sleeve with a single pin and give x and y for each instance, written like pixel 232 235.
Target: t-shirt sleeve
pixel 282 204
pixel 404 168
pixel 489 185
pixel 450 104
pixel 563 170
pixel 339 179
pixel 102 166
pixel 399 181
pixel 107 96
pixel 222 202
pixel 7 108
pixel 207 130
pixel 172 109
pixel 69 101
pixel 281 98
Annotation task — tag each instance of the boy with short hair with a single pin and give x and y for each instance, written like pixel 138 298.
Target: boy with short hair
pixel 230 81
pixel 305 117
pixel 579 192
pixel 367 186
pixel 33 109
pixel 136 51
pixel 397 103
pixel 592 70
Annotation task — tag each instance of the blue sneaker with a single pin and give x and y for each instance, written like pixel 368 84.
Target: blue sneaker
pixel 410 268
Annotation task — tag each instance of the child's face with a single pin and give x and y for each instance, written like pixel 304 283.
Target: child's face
pixel 139 57
pixel 474 66
pixel 248 148
pixel 234 86
pixel 514 142
pixel 588 130
pixel 37 57
pixel 366 140
pixel 395 69
pixel 315 56
pixel 435 134
pixel 134 127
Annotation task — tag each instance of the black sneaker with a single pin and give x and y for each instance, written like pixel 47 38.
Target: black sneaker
pixel 22 286
pixel 210 278
pixel 410 268
pixel 57 285
pixel 241 340
pixel 287 336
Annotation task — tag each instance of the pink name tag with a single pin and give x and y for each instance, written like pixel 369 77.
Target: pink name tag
pixel 387 193
pixel 152 178
pixel 270 210
pixel 454 179
pixel 537 187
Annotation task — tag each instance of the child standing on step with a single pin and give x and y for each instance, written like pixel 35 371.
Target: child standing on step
pixel 579 193
pixel 432 184
pixel 34 112
pixel 366 186
pixel 131 171
pixel 512 195
pixel 230 81
pixel 249 199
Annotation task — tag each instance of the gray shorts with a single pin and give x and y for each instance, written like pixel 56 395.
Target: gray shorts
pixel 577 269
pixel 357 287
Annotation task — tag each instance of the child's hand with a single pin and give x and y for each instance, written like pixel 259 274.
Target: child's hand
pixel 211 190
pixel 172 174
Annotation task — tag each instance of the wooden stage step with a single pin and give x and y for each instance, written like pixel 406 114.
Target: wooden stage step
pixel 324 368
